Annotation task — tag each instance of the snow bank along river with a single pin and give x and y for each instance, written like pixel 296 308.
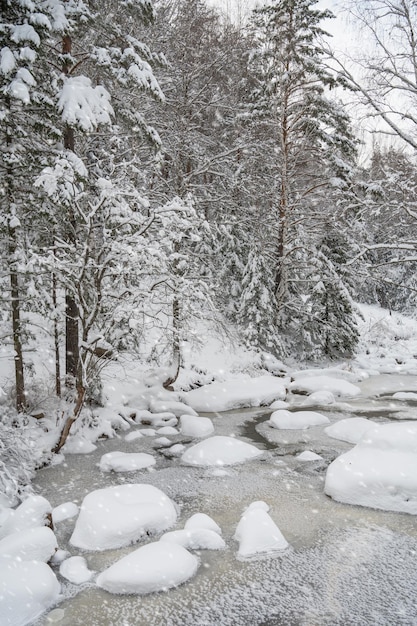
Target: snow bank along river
pixel 331 563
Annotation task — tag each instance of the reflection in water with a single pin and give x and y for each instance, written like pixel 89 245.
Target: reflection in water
pixel 347 565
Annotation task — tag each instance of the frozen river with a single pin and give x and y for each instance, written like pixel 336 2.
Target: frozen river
pixel 347 565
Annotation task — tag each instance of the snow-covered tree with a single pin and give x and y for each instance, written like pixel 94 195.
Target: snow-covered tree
pixel 311 147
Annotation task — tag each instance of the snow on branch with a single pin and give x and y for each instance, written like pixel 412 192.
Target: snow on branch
pixel 83 105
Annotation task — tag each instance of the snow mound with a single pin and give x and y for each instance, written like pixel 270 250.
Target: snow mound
pixel 235 394
pixel 125 461
pixel 405 395
pixel 196 427
pixel 257 533
pixel 118 516
pixel 32 512
pixel 167 430
pixel 78 445
pixel 333 372
pixel 350 429
pixel 75 570
pixel 175 407
pixel 337 386
pixel 220 451
pixel 201 520
pixel 155 567
pixel 32 544
pixel 286 420
pixel 279 404
pixel 380 471
pixel 196 539
pixel 27 589
pixel 64 511
pixel 136 434
pixel 308 455
pixel 319 398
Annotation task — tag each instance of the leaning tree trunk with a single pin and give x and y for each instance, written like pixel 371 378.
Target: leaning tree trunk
pixel 176 351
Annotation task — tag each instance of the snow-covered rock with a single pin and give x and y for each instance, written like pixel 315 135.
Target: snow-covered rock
pixel 27 589
pixel 155 567
pixel 279 404
pixel 32 512
pixel 125 461
pixel 78 445
pixel 167 430
pixel 195 539
pixel 380 471
pixel 64 511
pixel 196 427
pixel 337 386
pixel 118 516
pixel 257 533
pixel 333 372
pixel 319 398
pixel 172 406
pixel 201 520
pixel 220 451
pixel 287 420
pixel 235 394
pixel 308 455
pixel 31 544
pixel 405 395
pixel 350 429
pixel 148 432
pixel 135 434
pixel 75 570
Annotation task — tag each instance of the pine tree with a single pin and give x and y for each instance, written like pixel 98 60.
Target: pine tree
pixel 311 147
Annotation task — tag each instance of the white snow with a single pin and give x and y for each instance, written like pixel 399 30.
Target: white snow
pixel 27 589
pixel 284 419
pixel 171 406
pixel 380 471
pixel 279 404
pixel 32 544
pixel 118 516
pixel 202 520
pixel 83 105
pixel 196 539
pixel 220 450
pixel 64 511
pixel 319 398
pixel 405 395
pixel 7 61
pixel 350 429
pixel 308 455
pixel 125 461
pixel 154 567
pixel 338 387
pixel 78 444
pixel 75 570
pixel 234 394
pixel 196 427
pixel 257 533
pixel 136 434
pixel 32 512
pixel 167 430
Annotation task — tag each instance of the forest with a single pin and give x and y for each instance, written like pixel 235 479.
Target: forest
pixel 166 169
pixel 174 179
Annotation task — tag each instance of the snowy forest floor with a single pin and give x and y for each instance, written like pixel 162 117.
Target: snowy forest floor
pixel 345 564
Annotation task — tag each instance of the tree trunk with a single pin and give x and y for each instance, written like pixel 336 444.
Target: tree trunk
pixel 70 420
pixel 56 339
pixel 16 324
pixel 176 351
pixel 72 355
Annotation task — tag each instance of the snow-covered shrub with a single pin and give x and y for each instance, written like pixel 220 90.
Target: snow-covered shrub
pixel 17 462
